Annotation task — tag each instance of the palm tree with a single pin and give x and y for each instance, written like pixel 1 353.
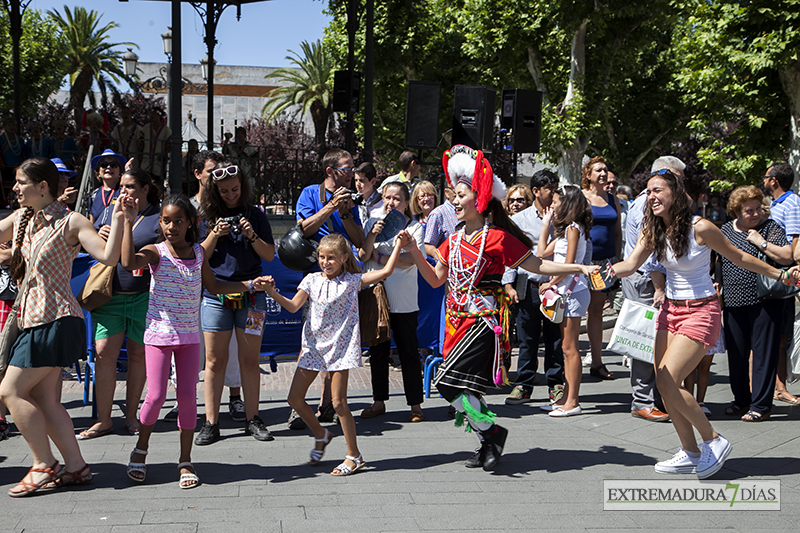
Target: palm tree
pixel 90 57
pixel 310 88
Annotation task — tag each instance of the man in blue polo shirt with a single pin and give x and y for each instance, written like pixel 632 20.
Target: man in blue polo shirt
pixel 328 208
pixel 321 210
pixel 785 210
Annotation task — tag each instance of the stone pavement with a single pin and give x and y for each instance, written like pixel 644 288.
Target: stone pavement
pixel 550 478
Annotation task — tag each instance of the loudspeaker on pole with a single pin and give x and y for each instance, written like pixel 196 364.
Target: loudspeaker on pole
pixel 422 114
pixel 473 116
pixel 345 95
pixel 521 120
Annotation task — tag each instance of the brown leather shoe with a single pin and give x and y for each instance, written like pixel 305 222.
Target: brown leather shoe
pixel 650 413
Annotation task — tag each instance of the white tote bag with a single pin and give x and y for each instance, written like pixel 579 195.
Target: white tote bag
pixel 793 361
pixel 635 331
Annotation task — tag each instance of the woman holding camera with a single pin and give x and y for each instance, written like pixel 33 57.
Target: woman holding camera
pixel 238 238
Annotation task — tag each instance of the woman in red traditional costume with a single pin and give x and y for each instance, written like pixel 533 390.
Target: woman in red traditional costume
pixel 472 261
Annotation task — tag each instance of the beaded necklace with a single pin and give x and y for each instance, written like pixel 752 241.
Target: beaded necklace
pixel 16 146
pixel 462 277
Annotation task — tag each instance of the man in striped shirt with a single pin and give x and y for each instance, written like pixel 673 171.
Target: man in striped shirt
pixel 785 210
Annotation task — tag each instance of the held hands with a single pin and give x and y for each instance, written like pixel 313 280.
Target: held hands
pixel 264 283
pixel 403 239
pixel 790 277
pixel 588 270
pixel 129 207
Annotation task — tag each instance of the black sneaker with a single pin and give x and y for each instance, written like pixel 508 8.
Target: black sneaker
pixel 476 461
pixel 236 409
pixel 257 429
pixel 295 422
pixel 494 443
pixel 209 434
pixel 172 415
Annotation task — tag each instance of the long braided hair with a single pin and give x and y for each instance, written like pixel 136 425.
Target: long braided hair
pixel 37 169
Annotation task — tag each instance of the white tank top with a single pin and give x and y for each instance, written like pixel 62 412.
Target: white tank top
pixel 689 278
pixel 560 256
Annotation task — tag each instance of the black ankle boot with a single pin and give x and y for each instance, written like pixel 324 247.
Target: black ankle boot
pixel 494 439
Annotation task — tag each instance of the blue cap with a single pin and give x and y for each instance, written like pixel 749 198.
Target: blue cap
pixel 62 168
pixel 108 153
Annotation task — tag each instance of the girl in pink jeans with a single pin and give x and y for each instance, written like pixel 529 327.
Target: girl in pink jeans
pixel 178 272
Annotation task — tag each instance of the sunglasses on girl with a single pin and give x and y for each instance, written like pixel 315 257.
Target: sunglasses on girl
pixel 222 173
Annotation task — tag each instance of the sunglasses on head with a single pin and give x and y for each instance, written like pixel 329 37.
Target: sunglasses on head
pixel 660 172
pixel 222 173
pixel 109 164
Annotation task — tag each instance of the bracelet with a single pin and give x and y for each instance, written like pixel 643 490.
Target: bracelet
pixel 251 287
pixel 254 239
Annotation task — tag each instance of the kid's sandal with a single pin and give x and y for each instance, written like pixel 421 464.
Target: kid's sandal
pixel 141 468
pixel 344 470
pixel 189 480
pixel 316 455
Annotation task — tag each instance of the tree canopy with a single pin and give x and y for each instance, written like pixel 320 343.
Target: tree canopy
pixel 41 61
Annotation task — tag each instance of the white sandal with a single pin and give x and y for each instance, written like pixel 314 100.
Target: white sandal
pixel 137 467
pixel 344 470
pixel 316 455
pixel 190 477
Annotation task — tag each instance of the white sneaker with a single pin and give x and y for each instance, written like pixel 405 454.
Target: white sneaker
pixel 587 360
pixel 713 454
pixel 681 463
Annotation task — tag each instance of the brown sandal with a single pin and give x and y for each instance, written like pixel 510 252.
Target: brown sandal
pixel 601 372
pixel 28 487
pixel 785 396
pixel 79 477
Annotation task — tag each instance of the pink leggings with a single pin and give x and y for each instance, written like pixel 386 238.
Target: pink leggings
pixel 157 367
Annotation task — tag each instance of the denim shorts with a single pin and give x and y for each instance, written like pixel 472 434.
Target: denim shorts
pixel 577 304
pixel 216 317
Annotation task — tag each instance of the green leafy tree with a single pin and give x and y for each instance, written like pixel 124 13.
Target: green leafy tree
pixel 307 90
pixel 741 74
pixel 90 57
pixel 41 63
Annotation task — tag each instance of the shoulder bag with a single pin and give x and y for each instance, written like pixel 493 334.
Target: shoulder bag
pixel 11 328
pixel 772 289
pixel 553 304
pixel 99 286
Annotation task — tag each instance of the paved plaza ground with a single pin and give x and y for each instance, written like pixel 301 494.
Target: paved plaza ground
pixel 550 478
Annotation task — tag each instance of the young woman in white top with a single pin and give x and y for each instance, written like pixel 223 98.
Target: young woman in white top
pixel 689 320
pixel 571 215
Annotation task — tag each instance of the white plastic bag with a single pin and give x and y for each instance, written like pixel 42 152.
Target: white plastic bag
pixel 793 361
pixel 635 331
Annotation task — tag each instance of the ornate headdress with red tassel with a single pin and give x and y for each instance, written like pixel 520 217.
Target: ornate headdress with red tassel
pixel 464 164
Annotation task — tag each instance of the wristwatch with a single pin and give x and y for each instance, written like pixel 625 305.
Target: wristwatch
pixel 764 246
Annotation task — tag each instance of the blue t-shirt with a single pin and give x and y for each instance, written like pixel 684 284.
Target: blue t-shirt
pixel 602 232
pixel 146 232
pixel 235 259
pixel 100 199
pixel 308 204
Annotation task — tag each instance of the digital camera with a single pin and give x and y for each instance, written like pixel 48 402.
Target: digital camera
pixel 236 228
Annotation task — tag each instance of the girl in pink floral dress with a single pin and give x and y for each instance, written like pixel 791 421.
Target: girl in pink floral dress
pixel 331 337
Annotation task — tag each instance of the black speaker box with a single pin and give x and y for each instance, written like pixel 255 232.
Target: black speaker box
pixel 422 114
pixel 521 118
pixel 345 96
pixel 473 116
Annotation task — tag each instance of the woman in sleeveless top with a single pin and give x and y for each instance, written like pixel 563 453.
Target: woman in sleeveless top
pixel 606 238
pixel 689 320
pixel 47 238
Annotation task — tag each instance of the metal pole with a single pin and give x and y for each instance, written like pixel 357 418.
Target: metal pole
pixel 352 24
pixel 211 30
pixel 368 80
pixel 175 89
pixel 16 36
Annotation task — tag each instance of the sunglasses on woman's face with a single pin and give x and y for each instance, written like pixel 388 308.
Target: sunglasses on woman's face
pixel 109 164
pixel 516 200
pixel 222 173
